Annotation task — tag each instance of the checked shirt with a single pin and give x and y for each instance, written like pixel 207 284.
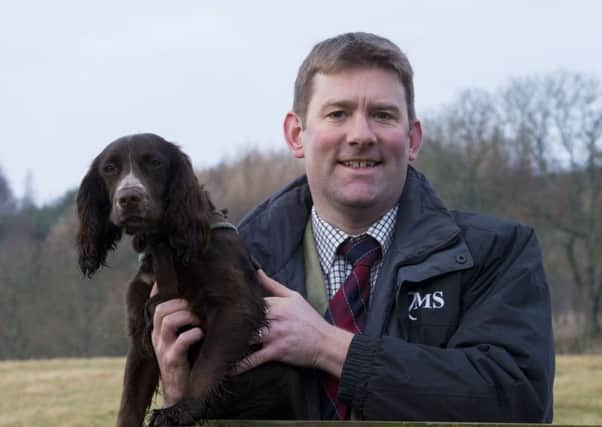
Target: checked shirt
pixel 358 256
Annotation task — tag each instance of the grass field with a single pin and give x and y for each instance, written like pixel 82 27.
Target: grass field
pixel 578 390
pixel 85 392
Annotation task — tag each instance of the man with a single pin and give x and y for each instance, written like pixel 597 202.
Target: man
pixel 447 315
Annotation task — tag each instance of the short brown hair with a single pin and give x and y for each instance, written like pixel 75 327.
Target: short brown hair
pixel 352 50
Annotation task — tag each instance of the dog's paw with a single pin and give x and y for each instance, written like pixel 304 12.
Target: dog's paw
pixel 187 412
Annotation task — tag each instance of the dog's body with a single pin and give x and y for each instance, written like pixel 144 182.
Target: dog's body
pixel 145 186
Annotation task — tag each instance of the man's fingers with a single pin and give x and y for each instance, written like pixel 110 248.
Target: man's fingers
pixel 186 339
pixel 170 316
pixel 168 307
pixel 253 360
pixel 273 287
pixel 175 321
pixel 261 336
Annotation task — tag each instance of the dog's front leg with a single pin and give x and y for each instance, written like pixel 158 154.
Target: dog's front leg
pixel 141 369
pixel 226 341
pixel 139 384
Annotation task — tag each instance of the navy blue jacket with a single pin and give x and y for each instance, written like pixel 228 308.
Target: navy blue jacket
pixel 459 326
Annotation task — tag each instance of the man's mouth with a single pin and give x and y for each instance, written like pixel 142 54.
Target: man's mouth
pixel 359 164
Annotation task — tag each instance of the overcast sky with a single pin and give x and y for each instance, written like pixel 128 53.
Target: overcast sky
pixel 217 77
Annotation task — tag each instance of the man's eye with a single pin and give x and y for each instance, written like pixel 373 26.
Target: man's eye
pixel 337 115
pixel 383 115
pixel 109 169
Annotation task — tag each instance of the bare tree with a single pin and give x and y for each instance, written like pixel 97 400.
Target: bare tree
pixel 465 155
pixel 7 199
pixel 241 184
pixel 555 125
pixel 18 281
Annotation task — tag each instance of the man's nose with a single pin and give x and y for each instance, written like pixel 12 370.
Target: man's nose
pixel 360 131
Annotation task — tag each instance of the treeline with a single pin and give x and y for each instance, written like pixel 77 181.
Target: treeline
pixel 531 151
pixel 47 309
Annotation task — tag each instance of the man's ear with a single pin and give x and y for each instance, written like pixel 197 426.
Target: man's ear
pixel 415 140
pixel 293 133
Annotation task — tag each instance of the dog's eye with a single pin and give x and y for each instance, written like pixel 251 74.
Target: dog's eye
pixel 109 169
pixel 154 162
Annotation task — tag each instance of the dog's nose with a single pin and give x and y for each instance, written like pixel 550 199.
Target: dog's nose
pixel 129 198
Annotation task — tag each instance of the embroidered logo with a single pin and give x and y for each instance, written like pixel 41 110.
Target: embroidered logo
pixel 432 301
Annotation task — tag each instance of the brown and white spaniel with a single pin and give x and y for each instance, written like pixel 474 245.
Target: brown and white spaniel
pixel 145 186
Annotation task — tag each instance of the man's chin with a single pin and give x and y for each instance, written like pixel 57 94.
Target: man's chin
pixel 358 204
pixel 367 203
pixel 358 197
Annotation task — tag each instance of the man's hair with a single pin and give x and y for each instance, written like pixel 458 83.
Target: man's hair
pixel 351 50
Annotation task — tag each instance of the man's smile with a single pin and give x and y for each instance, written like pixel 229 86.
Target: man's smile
pixel 359 164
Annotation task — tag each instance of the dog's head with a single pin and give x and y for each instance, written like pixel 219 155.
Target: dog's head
pixel 143 185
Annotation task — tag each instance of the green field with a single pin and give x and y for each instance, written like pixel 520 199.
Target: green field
pixel 85 392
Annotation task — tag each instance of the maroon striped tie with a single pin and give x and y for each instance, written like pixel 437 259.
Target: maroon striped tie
pixel 348 310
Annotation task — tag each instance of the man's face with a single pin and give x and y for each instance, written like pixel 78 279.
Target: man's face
pixel 356 142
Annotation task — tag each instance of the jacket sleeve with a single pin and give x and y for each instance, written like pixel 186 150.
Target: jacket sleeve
pixel 498 366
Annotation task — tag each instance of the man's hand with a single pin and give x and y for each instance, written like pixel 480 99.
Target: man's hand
pixel 297 334
pixel 171 348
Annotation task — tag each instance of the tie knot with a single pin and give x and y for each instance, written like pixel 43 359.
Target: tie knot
pixel 364 250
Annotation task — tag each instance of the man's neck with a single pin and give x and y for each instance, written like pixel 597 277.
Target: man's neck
pixel 353 221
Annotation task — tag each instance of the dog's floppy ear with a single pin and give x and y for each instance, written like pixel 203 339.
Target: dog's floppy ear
pixel 96 235
pixel 187 209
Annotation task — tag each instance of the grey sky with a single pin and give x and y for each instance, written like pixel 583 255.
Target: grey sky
pixel 217 77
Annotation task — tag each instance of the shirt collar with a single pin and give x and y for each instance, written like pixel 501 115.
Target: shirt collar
pixel 328 237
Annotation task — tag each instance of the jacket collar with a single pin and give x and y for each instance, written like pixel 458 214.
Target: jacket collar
pixel 427 243
pixel 285 213
pixel 424 227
